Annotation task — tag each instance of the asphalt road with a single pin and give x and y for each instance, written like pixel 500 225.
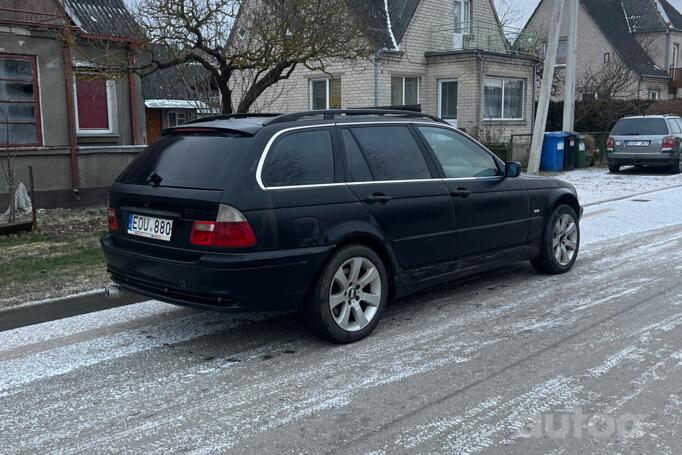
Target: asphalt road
pixel 507 362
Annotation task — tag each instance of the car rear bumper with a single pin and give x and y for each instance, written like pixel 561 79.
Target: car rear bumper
pixel 269 281
pixel 624 159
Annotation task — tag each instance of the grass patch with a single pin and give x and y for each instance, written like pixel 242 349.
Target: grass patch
pixel 26 270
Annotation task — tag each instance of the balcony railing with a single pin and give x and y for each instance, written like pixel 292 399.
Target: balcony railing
pixel 485 36
pixel 676 75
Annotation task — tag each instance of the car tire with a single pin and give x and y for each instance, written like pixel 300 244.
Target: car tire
pixel 560 242
pixel 676 166
pixel 350 296
pixel 614 168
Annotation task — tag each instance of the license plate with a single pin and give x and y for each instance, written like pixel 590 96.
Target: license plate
pixel 150 227
pixel 637 143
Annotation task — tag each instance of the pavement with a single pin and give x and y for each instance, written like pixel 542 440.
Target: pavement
pixel 506 362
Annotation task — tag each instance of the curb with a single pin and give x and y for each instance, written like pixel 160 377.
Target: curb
pixel 622 198
pixel 64 307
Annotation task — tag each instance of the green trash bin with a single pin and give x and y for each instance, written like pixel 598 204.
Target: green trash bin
pixel 580 161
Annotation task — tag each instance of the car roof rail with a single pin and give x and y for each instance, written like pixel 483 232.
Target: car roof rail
pixel 333 114
pixel 213 118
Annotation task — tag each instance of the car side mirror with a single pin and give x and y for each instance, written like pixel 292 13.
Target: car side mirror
pixel 512 169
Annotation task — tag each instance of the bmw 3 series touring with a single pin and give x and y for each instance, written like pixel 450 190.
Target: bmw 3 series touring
pixel 330 213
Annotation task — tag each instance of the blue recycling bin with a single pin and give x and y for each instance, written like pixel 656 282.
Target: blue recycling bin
pixel 552 159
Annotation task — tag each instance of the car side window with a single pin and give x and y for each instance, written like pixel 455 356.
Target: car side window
pixel 392 153
pixel 675 126
pixel 355 161
pixel 301 158
pixel 460 156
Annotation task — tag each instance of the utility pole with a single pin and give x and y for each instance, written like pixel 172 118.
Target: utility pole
pixel 570 86
pixel 545 89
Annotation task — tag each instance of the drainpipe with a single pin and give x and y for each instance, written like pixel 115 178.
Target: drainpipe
pixel 535 88
pixel 480 92
pixel 377 56
pixel 132 98
pixel 70 111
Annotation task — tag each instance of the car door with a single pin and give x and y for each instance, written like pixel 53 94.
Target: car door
pixel 492 212
pixel 398 184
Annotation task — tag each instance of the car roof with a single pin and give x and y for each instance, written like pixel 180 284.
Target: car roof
pixel 252 123
pixel 651 116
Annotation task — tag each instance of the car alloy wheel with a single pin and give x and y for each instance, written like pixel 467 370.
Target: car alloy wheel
pixel 565 239
pixel 355 294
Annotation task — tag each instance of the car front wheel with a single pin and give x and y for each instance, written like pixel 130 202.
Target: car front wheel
pixel 676 166
pixel 560 242
pixel 614 168
pixel 350 296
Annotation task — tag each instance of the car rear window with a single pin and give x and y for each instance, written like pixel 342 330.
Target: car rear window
pixel 640 127
pixel 196 160
pixel 392 153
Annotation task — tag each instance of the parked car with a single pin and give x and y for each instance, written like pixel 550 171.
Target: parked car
pixel 646 140
pixel 333 213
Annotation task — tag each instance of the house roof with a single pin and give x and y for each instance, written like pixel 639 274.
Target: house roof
pixel 105 17
pixel 616 19
pixel 387 21
pixel 174 87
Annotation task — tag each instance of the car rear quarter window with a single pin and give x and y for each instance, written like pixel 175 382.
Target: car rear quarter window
pixel 640 127
pixel 674 126
pixel 196 160
pixel 392 153
pixel 300 158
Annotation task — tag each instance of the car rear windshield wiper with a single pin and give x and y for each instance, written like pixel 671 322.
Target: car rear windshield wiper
pixel 154 179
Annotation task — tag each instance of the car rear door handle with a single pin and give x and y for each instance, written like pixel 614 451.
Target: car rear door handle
pixel 377 198
pixel 461 192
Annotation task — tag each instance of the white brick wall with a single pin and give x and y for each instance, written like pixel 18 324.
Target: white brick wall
pixel 357 78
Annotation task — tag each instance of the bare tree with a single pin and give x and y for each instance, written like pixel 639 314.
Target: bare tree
pixel 267 39
pixel 7 165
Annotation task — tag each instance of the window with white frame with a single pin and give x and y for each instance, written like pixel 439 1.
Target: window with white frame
pixel 95 100
pixel 503 98
pixel 176 118
pixel 325 94
pixel 654 95
pixel 561 52
pixel 404 90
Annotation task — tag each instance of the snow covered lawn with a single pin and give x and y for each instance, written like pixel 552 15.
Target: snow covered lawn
pixel 597 184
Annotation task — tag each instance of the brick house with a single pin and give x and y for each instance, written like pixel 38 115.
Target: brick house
pixel 645 35
pixel 65 111
pixel 451 58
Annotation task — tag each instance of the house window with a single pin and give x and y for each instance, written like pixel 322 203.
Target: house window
pixel 95 104
pixel 676 55
pixel 404 91
pixel 462 16
pixel 176 118
pixel 607 57
pixel 504 98
pixel 561 52
pixel 19 101
pixel 325 94
pixel 654 95
pixel 447 99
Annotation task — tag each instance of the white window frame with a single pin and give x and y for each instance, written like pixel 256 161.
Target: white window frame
pixel 177 114
pixel 654 95
pixel 111 114
pixel 523 100
pixel 327 81
pixel 440 100
pixel 419 87
pixel 676 55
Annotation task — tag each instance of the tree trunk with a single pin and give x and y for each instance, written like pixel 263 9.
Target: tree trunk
pixel 225 92
pixel 258 87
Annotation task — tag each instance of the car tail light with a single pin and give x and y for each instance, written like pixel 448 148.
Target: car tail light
pixel 668 144
pixel 610 145
pixel 229 230
pixel 112 221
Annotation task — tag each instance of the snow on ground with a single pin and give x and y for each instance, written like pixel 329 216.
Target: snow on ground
pixel 597 184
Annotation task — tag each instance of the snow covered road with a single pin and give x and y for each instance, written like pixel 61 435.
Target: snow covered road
pixel 485 365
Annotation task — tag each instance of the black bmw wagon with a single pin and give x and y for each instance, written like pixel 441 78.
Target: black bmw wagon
pixel 331 213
